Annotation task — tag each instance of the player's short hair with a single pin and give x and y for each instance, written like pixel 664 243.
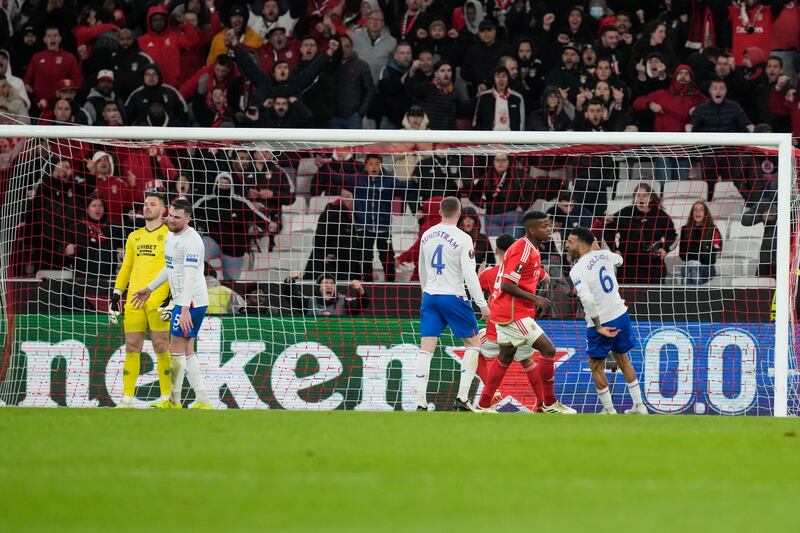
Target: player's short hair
pixel 450 206
pixel 369 156
pixel 156 194
pixel 504 242
pixel 584 235
pixel 533 215
pixel 183 205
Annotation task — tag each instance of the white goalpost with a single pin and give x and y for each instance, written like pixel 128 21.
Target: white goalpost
pixel 282 209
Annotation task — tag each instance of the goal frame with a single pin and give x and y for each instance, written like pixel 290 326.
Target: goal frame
pixel 776 141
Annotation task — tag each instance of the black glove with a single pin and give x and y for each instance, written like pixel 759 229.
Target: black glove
pixel 114 308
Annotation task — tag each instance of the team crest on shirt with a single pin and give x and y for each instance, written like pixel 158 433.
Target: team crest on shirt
pixel 59 60
pixel 160 238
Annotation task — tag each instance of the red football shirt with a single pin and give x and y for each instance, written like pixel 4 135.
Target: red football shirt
pixel 522 265
pixel 487 280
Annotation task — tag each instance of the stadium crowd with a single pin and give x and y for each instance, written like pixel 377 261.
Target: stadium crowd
pixel 543 65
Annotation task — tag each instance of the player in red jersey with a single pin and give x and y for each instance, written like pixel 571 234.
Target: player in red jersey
pixel 489 347
pixel 513 312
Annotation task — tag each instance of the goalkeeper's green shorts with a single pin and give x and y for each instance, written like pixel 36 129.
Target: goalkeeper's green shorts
pixel 142 319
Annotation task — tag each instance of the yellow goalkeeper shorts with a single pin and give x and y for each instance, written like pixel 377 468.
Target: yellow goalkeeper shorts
pixel 139 320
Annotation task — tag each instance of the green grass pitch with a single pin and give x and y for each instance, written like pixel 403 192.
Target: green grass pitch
pixel 112 470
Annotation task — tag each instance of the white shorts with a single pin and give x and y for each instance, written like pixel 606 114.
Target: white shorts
pixel 520 332
pixel 490 349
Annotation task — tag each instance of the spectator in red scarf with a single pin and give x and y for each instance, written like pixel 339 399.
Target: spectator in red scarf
pixel 163 44
pixel 642 234
pixel 48 67
pixel 505 193
pixel 442 104
pixel 92 242
pixel 470 223
pixel 500 108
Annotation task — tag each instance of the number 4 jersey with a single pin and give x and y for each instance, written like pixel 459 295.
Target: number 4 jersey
pixel 596 285
pixel 447 261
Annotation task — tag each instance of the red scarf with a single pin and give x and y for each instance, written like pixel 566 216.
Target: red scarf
pixel 95 230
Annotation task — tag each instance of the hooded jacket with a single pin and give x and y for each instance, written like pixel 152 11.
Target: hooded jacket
pixel 15 105
pixel 95 102
pixel 15 81
pixel 249 38
pixel 559 120
pixel 676 102
pixel 138 103
pixel 165 47
pixel 226 217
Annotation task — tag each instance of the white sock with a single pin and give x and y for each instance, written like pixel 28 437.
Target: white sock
pixel 177 370
pixel 127 399
pixel 636 392
pixel 196 379
pixel 469 366
pixel 421 371
pixel 605 399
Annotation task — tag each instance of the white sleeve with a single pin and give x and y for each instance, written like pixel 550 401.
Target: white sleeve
pixel 159 279
pixel 470 276
pixel 192 265
pixel 421 267
pixel 584 293
pixel 616 259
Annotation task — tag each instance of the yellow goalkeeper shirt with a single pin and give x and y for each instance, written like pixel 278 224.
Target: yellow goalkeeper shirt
pixel 144 259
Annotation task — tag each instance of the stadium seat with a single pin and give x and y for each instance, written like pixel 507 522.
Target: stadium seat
pixel 679 210
pixel 405 223
pixel 731 266
pixel 639 170
pixel 615 205
pixel 626 188
pixel 726 208
pixel 753 282
pixel 317 204
pixel 299 206
pixel 688 189
pixel 726 189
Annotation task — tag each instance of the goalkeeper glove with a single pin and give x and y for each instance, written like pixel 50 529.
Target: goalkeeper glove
pixel 114 308
pixel 166 308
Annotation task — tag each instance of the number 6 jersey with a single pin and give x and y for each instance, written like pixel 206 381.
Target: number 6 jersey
pixel 597 287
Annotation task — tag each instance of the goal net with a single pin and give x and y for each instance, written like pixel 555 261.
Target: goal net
pixel 311 256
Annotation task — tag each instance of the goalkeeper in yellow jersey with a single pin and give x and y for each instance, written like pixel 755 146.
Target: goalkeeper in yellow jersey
pixel 144 259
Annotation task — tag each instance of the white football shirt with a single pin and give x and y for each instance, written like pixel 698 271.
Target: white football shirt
pixel 185 255
pixel 447 261
pixel 596 285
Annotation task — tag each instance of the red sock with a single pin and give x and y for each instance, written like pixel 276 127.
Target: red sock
pixel 496 372
pixel 547 372
pixel 532 373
